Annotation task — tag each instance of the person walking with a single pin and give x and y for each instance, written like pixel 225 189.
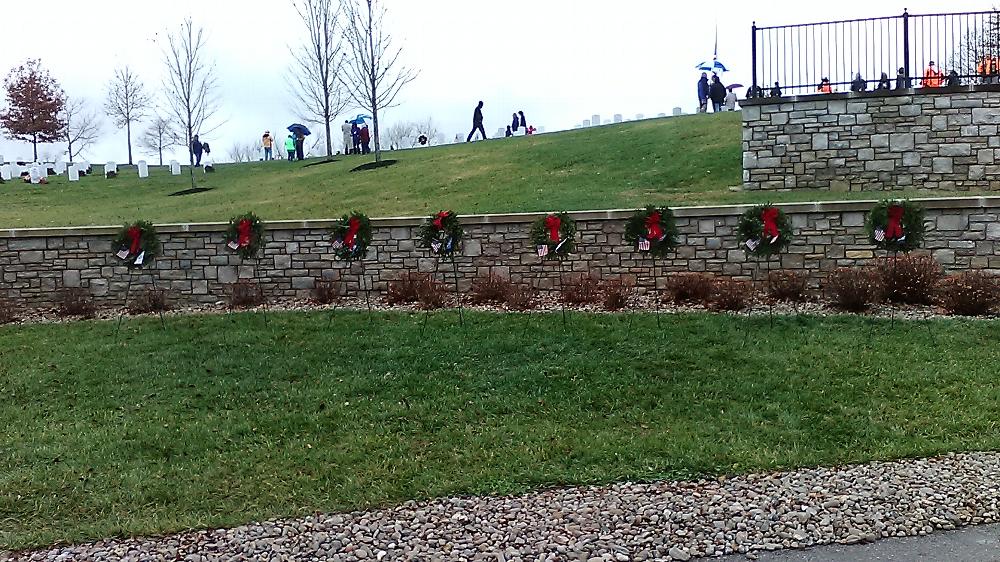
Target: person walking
pixel 477 123
pixel 268 143
pixel 345 129
pixel 290 147
pixel 366 139
pixel 196 149
pixel 703 92
pixel 933 78
pixel 524 122
pixel 718 93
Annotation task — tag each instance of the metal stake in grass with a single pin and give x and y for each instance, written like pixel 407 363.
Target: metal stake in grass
pixel 163 324
pixel 458 296
pixel 128 289
pixel 368 293
pixel 562 291
pixel 427 312
pixel 260 285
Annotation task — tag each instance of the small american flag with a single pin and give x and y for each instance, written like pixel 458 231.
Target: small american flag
pixel 879 235
pixel 233 245
pixel 123 253
pixel 338 244
pixel 435 246
pixel 752 244
pixel 139 260
pixel 643 245
pixel 543 250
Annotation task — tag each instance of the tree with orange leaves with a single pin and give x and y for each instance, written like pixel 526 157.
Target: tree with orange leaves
pixel 34 104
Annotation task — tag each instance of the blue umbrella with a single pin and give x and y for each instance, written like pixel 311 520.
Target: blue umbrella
pixel 299 128
pixel 360 119
pixel 712 66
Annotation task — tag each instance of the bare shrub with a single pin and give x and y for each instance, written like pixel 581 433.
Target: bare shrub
pixel 730 294
pixel 617 294
pixel 582 289
pixel 76 301
pixel 854 288
pixel 970 293
pixel 909 279
pixel 522 297
pixel 432 294
pixel 787 285
pixel 490 289
pixel 688 288
pixel 245 294
pixel 8 312
pixel 406 288
pixel 326 292
pixel 149 300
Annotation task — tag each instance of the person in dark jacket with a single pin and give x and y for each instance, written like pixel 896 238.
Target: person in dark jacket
pixel 355 139
pixel 883 83
pixel 718 93
pixel 514 123
pixel 524 122
pixel 703 93
pixel 953 79
pixel 196 149
pixel 902 80
pixel 300 141
pixel 509 133
pixel 477 123
pixel 859 84
pixel 776 90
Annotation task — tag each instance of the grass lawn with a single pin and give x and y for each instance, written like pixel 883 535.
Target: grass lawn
pixel 221 420
pixel 675 161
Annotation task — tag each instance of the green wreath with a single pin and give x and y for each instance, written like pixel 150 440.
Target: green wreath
pixel 351 236
pixel 765 231
pixel 441 233
pixel 136 244
pixel 553 235
pixel 652 230
pixel 896 226
pixel 245 235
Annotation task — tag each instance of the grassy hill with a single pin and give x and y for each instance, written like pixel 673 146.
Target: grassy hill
pixel 676 161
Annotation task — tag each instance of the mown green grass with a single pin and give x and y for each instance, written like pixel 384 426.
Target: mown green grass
pixel 220 420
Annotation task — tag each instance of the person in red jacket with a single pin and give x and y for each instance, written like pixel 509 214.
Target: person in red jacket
pixel 366 140
pixel 933 78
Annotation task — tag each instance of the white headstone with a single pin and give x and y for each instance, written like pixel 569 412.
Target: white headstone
pixel 639 117
pixel 586 122
pixel 618 117
pixel 5 172
pixel 44 171
pixel 60 167
pixel 35 173
pixel 1 159
pixel 110 167
pixel 143 169
pixel 595 119
pixel 175 168
pixel 73 173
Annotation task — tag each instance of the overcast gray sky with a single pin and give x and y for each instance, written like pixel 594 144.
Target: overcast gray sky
pixel 558 60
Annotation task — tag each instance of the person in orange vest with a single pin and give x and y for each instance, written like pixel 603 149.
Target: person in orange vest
pixel 933 78
pixel 988 69
pixel 825 87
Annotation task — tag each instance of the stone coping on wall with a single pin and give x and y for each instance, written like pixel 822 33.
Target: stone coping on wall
pixel 519 218
pixel 991 88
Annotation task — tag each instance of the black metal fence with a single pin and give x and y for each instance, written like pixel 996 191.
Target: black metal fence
pixel 894 51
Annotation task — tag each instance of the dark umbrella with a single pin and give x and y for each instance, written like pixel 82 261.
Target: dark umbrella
pixel 734 86
pixel 299 128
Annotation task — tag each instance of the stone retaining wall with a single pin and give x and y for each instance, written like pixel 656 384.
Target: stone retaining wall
pixel 197 267
pixel 927 138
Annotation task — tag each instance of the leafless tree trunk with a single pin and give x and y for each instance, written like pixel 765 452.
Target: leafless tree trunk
pixel 317 62
pixel 127 102
pixel 373 75
pixel 83 126
pixel 243 152
pixel 191 84
pixel 158 136
pixel 401 133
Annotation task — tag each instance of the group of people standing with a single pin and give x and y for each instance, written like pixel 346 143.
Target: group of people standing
pixel 294 146
pixel 357 140
pixel 722 98
pixel 518 122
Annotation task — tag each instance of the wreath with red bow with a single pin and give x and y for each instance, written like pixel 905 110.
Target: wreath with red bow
pixel 553 235
pixel 765 231
pixel 652 230
pixel 245 235
pixel 136 244
pixel 350 236
pixel 441 233
pixel 896 226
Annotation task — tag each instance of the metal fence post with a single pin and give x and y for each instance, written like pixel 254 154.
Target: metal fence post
pixel 906 44
pixel 753 64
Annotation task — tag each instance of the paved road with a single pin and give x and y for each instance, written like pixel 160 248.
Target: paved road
pixel 970 544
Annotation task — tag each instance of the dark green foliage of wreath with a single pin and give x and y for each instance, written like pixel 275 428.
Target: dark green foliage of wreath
pixel 451 229
pixel 567 232
pixel 257 240
pixel 361 239
pixel 149 242
pixel 751 227
pixel 635 229
pixel 912 223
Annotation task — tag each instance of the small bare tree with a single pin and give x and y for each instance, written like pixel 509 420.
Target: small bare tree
pixel 401 134
pixel 373 74
pixel 243 152
pixel 83 126
pixel 127 102
pixel 318 61
pixel 429 129
pixel 191 84
pixel 159 136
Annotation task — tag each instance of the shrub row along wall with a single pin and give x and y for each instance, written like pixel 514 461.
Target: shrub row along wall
pixel 196 266
pixel 928 138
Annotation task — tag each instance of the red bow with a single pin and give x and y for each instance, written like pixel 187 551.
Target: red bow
pixel 553 223
pixel 135 236
pixel 243 229
pixel 438 224
pixel 352 230
pixel 770 218
pixel 894 229
pixel 653 229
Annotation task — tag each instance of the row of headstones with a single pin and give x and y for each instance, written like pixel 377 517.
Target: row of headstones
pixel 37 172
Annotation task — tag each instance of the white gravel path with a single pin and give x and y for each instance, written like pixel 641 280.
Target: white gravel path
pixel 658 521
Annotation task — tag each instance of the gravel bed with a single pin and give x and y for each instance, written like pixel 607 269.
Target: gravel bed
pixel 671 520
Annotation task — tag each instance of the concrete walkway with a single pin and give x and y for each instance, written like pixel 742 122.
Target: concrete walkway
pixel 969 544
